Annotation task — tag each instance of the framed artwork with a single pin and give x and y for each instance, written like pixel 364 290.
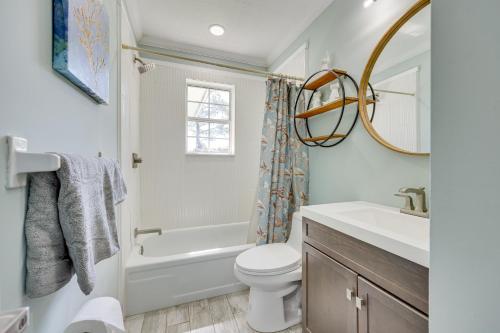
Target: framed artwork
pixel 80 40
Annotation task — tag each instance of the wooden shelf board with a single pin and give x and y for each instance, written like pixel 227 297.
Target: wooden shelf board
pixel 329 107
pixel 323 137
pixel 323 79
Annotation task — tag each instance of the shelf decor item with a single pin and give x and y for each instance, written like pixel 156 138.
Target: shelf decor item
pixel 80 40
pixel 336 78
pixel 316 100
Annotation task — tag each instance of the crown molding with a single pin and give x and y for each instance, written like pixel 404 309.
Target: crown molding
pixel 205 69
pixel 203 52
pixel 132 10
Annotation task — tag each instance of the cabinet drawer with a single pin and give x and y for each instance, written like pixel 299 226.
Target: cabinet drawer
pixel 403 278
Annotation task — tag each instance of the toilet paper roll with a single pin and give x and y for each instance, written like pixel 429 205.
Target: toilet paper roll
pixel 99 315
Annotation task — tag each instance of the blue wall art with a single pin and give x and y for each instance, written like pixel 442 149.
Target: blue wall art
pixel 81 45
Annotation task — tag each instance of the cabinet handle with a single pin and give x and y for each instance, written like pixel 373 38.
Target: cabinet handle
pixel 360 302
pixel 349 293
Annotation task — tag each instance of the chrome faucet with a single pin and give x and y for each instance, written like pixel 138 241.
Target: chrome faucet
pixel 138 231
pixel 420 208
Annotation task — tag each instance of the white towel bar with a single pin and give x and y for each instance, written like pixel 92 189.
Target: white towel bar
pixel 20 162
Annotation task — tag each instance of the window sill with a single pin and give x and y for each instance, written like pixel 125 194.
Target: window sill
pixel 209 154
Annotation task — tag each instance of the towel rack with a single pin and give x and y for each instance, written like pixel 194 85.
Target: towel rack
pixel 20 162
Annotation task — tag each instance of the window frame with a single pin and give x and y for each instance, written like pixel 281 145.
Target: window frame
pixel 232 137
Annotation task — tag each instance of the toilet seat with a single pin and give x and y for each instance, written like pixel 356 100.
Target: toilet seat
pixel 270 259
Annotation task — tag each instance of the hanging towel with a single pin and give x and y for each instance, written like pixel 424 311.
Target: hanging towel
pixel 70 223
pixel 90 188
pixel 48 266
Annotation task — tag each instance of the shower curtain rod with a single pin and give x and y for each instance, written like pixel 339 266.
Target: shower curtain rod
pixel 395 92
pixel 248 70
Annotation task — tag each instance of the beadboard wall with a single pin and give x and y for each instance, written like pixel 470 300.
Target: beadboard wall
pixel 180 190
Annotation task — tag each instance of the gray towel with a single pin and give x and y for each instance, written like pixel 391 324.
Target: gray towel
pixel 71 215
pixel 48 266
pixel 90 188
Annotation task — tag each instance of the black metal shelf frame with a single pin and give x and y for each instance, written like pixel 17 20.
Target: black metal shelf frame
pixel 321 143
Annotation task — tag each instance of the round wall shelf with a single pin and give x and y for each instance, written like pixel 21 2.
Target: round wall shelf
pixel 313 84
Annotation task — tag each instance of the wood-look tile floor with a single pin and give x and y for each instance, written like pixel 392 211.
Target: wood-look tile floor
pixel 222 314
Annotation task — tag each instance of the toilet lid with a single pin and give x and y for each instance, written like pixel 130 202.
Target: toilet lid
pixel 270 259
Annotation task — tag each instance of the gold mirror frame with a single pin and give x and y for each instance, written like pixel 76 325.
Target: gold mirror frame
pixel 368 71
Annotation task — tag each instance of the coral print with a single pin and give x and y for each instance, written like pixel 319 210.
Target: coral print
pixel 284 165
pixel 92 35
pixel 81 45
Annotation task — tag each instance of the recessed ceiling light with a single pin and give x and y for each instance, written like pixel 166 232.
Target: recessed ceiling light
pixel 216 30
pixel 368 3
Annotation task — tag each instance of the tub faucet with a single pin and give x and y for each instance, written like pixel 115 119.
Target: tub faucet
pixel 138 231
pixel 420 208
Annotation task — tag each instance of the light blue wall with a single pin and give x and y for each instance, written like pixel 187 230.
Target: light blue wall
pixel 359 168
pixel 465 228
pixel 43 107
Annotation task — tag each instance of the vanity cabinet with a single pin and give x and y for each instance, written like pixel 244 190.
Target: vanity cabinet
pixel 384 313
pixel 326 282
pixel 354 287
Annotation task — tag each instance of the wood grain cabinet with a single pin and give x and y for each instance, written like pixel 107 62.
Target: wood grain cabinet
pixel 343 292
pixel 325 284
pixel 383 313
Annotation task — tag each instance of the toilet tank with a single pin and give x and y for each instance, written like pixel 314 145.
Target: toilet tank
pixel 295 238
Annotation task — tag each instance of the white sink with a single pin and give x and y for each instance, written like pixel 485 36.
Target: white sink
pixel 384 227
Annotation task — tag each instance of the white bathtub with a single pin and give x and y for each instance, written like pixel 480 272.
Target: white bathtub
pixel 184 265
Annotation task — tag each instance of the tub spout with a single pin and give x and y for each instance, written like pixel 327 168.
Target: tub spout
pixel 138 231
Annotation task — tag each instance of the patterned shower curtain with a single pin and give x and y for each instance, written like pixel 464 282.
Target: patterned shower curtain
pixel 284 164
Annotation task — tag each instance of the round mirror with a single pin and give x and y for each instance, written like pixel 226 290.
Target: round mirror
pixel 399 71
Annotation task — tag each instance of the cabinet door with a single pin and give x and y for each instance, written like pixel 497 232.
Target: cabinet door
pixel 380 312
pixel 326 285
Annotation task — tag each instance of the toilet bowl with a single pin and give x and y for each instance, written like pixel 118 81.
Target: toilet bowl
pixel 274 273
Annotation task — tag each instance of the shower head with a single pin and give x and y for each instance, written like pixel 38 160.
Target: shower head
pixel 144 67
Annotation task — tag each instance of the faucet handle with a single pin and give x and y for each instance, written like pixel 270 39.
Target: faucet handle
pixel 408 201
pixel 416 190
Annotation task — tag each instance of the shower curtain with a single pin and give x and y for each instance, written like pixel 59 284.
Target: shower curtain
pixel 284 164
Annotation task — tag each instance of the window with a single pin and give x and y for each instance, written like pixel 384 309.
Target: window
pixel 210 118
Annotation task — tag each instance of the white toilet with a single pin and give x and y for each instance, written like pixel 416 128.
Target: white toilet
pixel 274 273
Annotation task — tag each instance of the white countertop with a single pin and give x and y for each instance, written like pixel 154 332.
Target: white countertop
pixel 384 227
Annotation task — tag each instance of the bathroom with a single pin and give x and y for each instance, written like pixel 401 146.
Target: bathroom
pixel 167 62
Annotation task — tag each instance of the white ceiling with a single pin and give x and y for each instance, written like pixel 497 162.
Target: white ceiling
pixel 257 31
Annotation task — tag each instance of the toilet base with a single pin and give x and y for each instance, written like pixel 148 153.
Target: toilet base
pixel 272 311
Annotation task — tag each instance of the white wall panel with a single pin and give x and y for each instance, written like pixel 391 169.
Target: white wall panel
pixel 129 143
pixel 180 190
